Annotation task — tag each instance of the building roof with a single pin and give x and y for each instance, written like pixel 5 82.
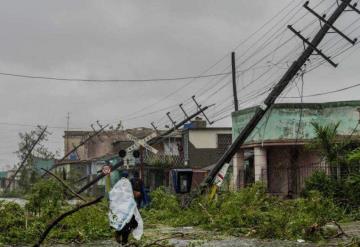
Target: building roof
pixel 282 122
pixel 209 129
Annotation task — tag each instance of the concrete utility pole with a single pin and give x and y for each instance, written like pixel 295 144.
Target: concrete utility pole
pixel 280 86
pixel 67 129
pixel 233 69
pixel 26 157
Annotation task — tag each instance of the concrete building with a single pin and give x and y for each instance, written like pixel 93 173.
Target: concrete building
pixel 203 146
pixel 107 142
pixel 276 152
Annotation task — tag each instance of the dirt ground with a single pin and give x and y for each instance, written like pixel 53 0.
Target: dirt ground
pixel 190 236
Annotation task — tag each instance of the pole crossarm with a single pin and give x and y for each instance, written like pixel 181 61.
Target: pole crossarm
pixel 315 49
pixel 171 120
pixel 160 137
pixel 153 125
pixel 274 94
pixel 306 6
pixel 199 107
pixel 183 110
pixel 353 7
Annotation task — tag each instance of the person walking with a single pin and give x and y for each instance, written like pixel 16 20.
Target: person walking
pixel 124 215
pixel 138 188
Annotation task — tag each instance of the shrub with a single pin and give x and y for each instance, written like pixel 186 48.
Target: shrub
pixel 250 211
pixel 46 198
pixel 351 188
pixel 321 182
pixel 345 192
pixel 88 224
pixel 12 223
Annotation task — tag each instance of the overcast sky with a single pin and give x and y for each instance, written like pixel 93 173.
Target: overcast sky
pixel 132 39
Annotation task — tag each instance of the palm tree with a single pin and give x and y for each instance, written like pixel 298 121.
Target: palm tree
pixel 332 149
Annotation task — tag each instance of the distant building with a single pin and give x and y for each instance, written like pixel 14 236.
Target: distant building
pixel 86 162
pixel 275 152
pixel 108 142
pixel 3 179
pixel 39 164
pixel 9 175
pixel 202 145
pixel 195 146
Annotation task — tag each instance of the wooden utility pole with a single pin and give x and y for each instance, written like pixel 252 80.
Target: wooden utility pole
pixel 233 69
pixel 201 110
pixel 26 158
pixel 83 142
pixel 279 87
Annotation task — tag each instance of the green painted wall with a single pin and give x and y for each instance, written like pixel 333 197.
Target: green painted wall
pixel 282 121
pixel 43 163
pixel 3 174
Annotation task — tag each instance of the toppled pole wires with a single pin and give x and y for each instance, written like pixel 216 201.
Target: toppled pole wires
pixel 178 125
pixel 275 93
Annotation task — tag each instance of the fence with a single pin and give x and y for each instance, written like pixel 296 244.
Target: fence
pixel 287 179
pixel 163 160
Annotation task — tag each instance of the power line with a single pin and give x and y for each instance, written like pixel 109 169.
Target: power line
pixel 111 80
pixel 221 59
pixel 323 93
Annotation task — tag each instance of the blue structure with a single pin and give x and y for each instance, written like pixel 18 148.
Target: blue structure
pixel 181 180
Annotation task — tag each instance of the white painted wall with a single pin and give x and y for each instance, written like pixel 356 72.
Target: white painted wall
pixel 206 138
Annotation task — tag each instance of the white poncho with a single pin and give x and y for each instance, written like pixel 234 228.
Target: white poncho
pixel 123 206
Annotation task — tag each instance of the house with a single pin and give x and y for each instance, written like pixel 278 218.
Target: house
pixel 276 151
pixel 196 146
pixel 84 164
pixel 202 145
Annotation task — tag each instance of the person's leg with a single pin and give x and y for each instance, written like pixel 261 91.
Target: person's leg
pixel 118 236
pixel 125 235
pixel 138 202
pixel 133 223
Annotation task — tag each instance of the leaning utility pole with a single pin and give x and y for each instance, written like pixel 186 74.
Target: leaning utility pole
pixel 83 142
pixel 201 110
pixel 284 81
pixel 150 142
pixel 233 69
pixel 26 157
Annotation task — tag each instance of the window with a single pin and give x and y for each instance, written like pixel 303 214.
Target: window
pixel 223 141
